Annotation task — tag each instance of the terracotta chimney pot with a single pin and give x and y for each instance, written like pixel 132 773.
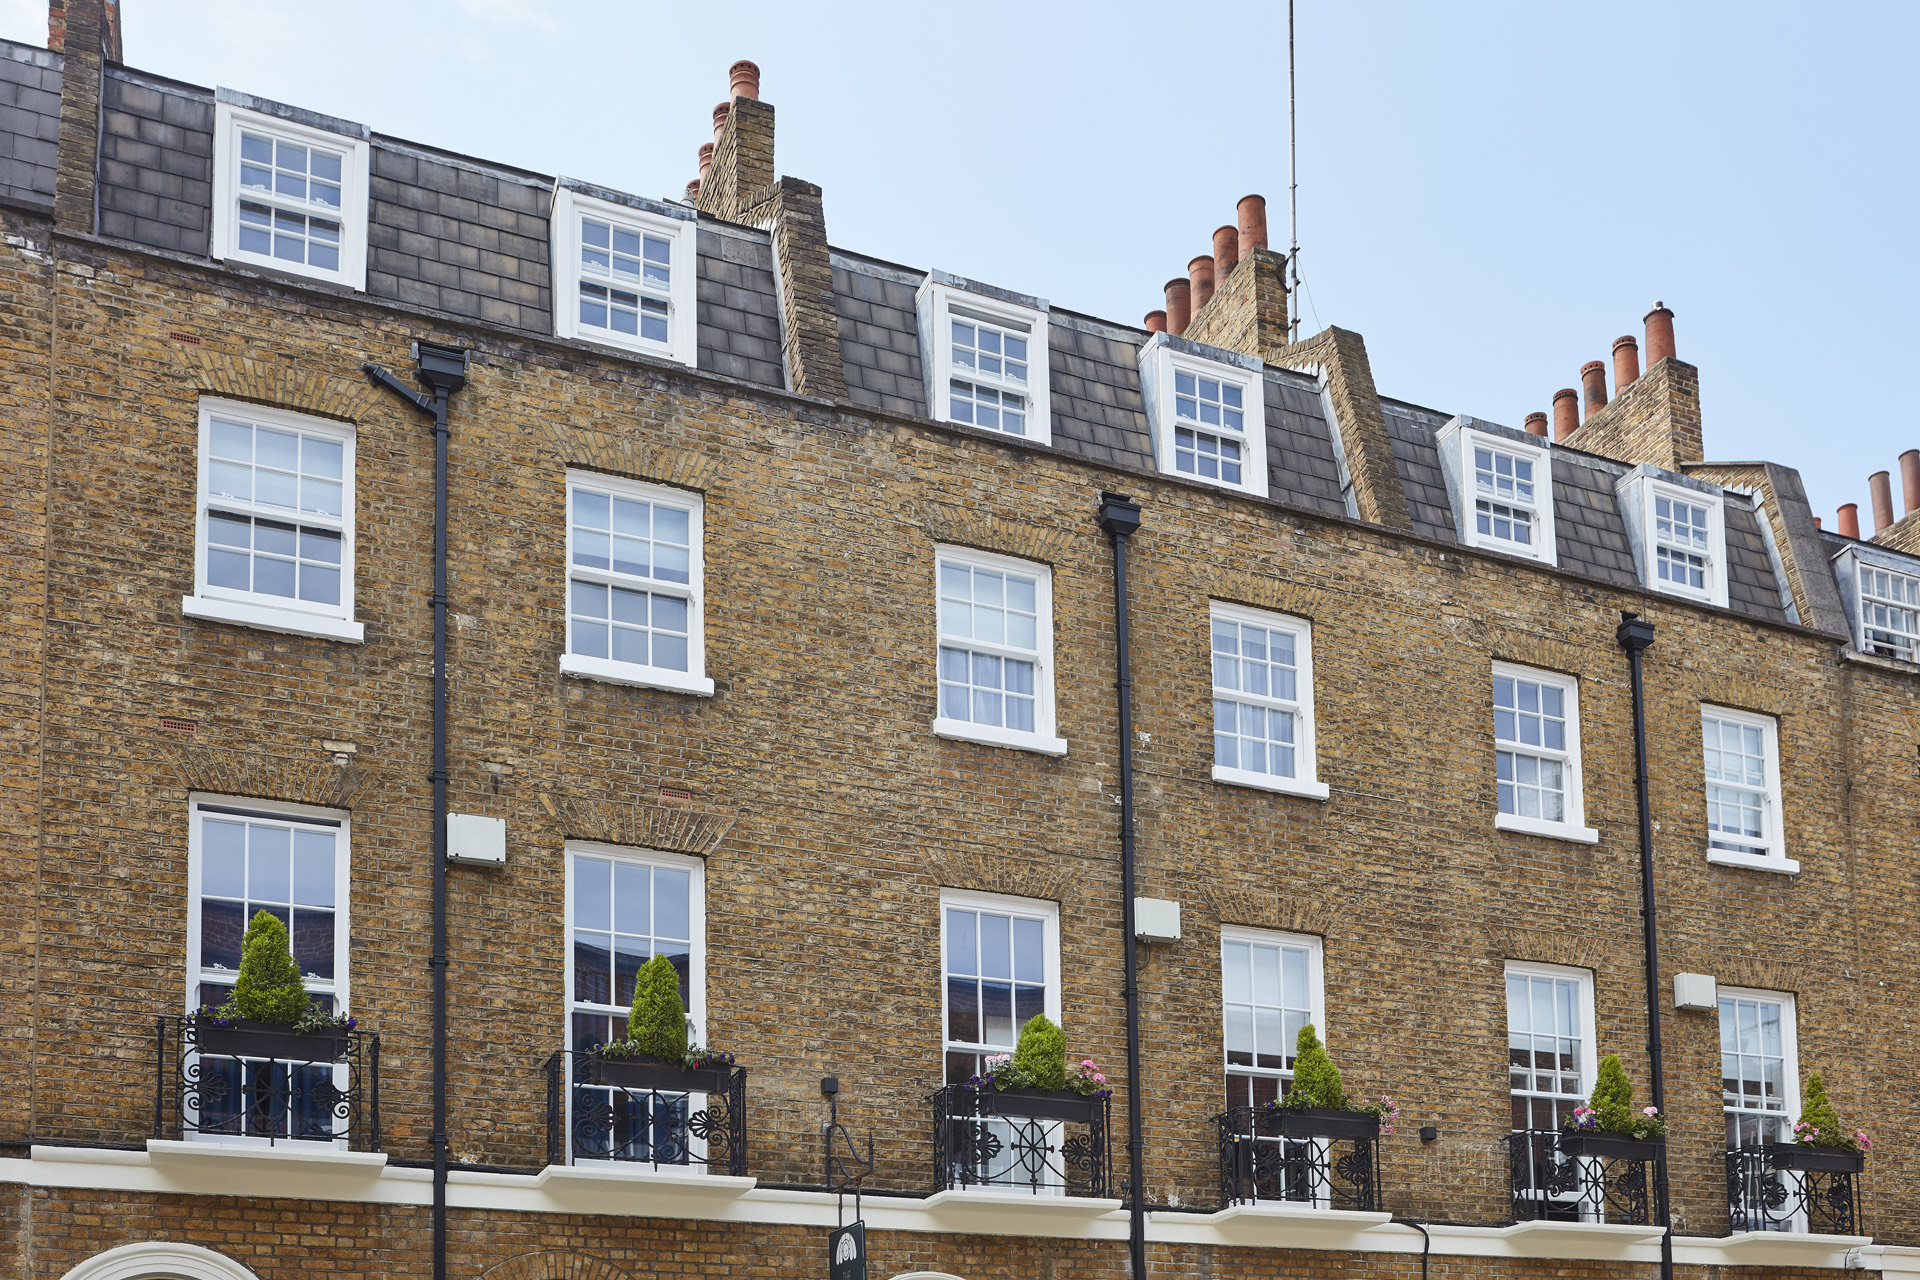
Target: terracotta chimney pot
pixel 1817 524
pixel 1226 252
pixel 1626 362
pixel 1156 322
pixel 1593 378
pixel 1200 274
pixel 1880 485
pixel 693 191
pixel 1252 212
pixel 1179 305
pixel 1910 479
pixel 706 159
pixel 1848 518
pixel 743 80
pixel 1659 334
pixel 1566 412
pixel 1537 424
pixel 720 114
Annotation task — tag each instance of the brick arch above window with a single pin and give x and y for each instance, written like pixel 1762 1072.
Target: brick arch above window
pixel 1746 694
pixel 1044 879
pixel 1237 586
pixel 698 832
pixel 985 531
pixel 268 773
pixel 282 384
pixel 1547 946
pixel 555 1265
pixel 1268 909
pixel 596 450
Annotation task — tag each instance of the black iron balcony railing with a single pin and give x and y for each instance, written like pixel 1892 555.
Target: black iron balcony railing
pixel 1320 1159
pixel 1784 1186
pixel 637 1111
pixel 1561 1177
pixel 247 1082
pixel 1045 1142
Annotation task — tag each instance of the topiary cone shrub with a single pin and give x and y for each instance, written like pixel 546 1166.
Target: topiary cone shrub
pixel 657 1023
pixel 269 987
pixel 1612 1099
pixel 1041 1054
pixel 1819 1123
pixel 1315 1078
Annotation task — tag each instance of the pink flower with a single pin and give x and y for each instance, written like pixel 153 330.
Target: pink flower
pixel 1863 1140
pixel 1098 1078
pixel 1649 1111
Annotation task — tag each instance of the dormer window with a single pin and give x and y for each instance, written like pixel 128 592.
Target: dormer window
pixel 1678 529
pixel 1500 482
pixel 289 196
pixel 1207 414
pixel 1889 613
pixel 985 352
pixel 623 274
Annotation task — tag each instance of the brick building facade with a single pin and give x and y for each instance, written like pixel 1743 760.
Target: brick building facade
pixel 846 698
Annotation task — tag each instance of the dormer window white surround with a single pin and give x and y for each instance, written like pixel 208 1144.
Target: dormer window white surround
pixel 1207 409
pixel 1678 529
pixel 623 272
pixel 290 190
pixel 1881 589
pixel 984 351
pixel 1500 482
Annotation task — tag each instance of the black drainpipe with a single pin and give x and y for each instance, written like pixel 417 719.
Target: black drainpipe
pixel 1120 517
pixel 442 371
pixel 1635 634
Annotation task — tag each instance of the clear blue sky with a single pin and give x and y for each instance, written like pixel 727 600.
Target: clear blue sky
pixel 1490 192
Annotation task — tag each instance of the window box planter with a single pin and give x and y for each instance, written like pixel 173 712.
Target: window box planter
pixel 1041 1104
pixel 644 1073
pixel 1803 1157
pixel 244 1038
pixel 1323 1122
pixel 1611 1146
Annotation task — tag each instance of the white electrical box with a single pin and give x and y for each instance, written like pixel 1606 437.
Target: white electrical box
pixel 1695 991
pixel 481 841
pixel 1156 920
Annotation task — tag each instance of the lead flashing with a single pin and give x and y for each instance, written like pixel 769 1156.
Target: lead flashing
pixel 952 281
pixel 642 203
pixel 297 115
pixel 1187 347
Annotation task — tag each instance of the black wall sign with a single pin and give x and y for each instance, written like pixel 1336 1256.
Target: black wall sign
pixel 847 1252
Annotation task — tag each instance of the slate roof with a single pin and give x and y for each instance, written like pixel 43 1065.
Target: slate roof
pixel 1094 382
pixel 739 308
pixel 156 162
pixel 1589 533
pixel 879 337
pixel 29 123
pixel 1752 588
pixel 1411 431
pixel 1301 468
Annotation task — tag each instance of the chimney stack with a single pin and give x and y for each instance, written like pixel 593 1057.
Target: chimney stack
pixel 1252 211
pixel 1156 322
pixel 1200 277
pixel 1659 334
pixel 1626 362
pixel 1593 378
pixel 1537 424
pixel 1226 252
pixel 1566 412
pixel 720 120
pixel 743 80
pixel 1179 305
pixel 1880 485
pixel 1910 479
pixel 1848 518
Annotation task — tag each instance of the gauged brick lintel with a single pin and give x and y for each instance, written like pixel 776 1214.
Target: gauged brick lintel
pixel 634 459
pixel 1742 693
pixel 984 531
pixel 1552 946
pixel 1268 909
pixel 281 384
pixel 1526 650
pixel 268 774
pixel 1236 586
pixel 555 1265
pixel 1046 880
pixel 641 826
pixel 1342 355
pixel 1752 972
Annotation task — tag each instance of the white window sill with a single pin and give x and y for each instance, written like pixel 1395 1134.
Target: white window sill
pixel 1551 830
pixel 248 259
pixel 658 350
pixel 1531 552
pixel 639 677
pixel 1683 593
pixel 1270 782
pixel 963 731
pixel 1753 861
pixel 269 618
